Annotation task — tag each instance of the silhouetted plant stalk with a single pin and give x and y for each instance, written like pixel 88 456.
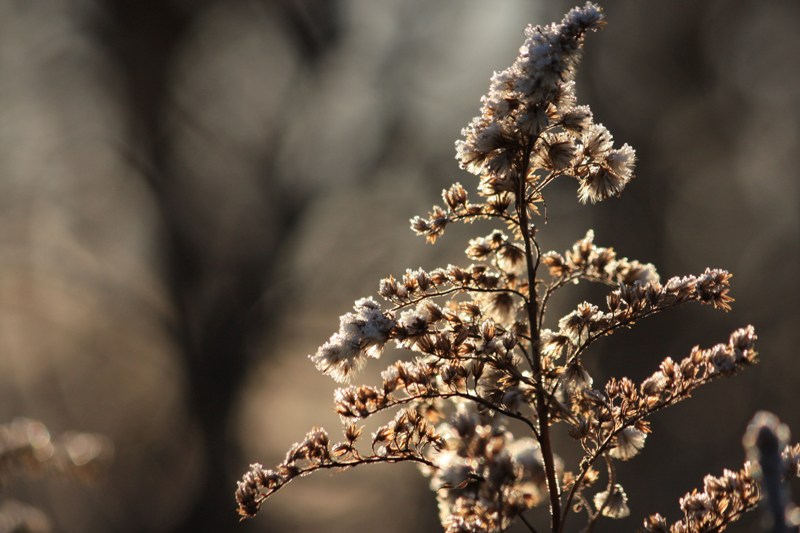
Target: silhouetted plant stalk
pixel 481 354
pixel 767 444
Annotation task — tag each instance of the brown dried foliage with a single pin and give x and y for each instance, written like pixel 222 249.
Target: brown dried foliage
pixel 481 356
pixel 27 448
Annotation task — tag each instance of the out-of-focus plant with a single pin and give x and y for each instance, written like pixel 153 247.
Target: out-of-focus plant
pixel 484 359
pixel 26 448
pixel 762 480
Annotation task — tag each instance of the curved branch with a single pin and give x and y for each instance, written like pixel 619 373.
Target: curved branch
pixel 394 402
pixel 452 290
pixel 338 465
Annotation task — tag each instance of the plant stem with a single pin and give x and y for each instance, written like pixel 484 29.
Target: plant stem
pixel 528 524
pixel 532 306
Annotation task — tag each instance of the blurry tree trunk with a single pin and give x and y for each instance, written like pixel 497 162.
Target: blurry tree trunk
pixel 216 321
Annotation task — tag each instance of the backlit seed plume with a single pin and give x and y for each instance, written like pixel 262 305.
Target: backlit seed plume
pixel 629 443
pixel 361 334
pixel 612 503
pixel 521 97
pixel 530 112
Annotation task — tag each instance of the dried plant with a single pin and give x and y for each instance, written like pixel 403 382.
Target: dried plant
pixel 483 361
pixel 26 448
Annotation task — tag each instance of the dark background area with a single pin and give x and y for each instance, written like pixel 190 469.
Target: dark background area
pixel 192 192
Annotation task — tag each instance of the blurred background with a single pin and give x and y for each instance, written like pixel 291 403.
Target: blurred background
pixel 192 192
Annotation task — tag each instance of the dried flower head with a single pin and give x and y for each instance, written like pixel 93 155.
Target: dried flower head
pixel 361 334
pixel 612 503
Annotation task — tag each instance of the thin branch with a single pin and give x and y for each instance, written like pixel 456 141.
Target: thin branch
pixel 610 489
pixel 394 402
pixel 613 327
pixel 451 290
pixel 528 524
pixel 466 217
pixel 345 465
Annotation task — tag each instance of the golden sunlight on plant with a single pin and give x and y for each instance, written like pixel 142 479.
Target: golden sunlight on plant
pixel 486 380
